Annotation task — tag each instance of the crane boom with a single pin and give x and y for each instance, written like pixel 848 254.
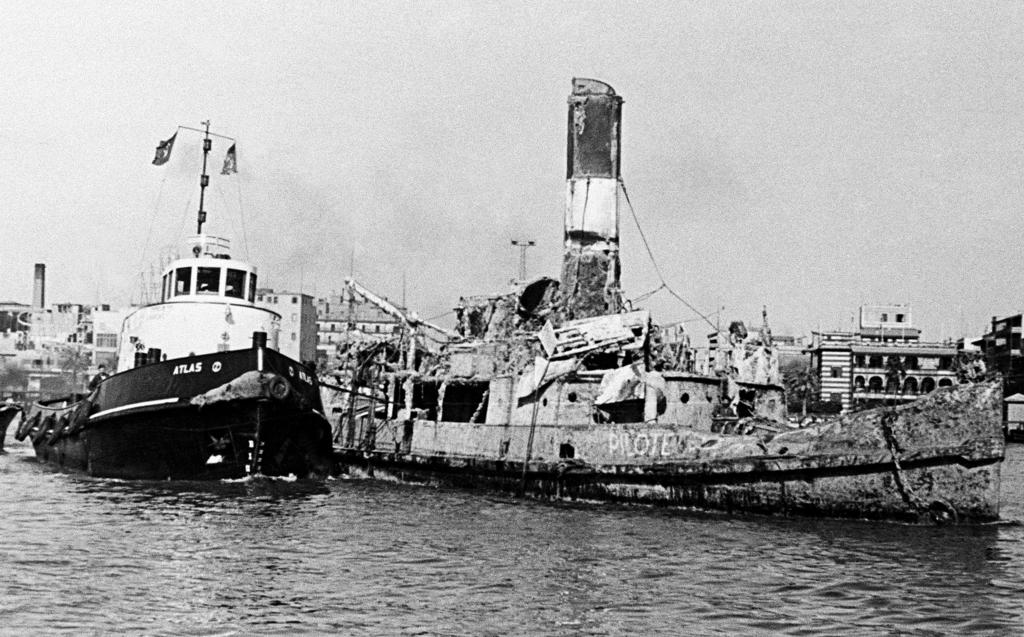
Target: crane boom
pixel 409 319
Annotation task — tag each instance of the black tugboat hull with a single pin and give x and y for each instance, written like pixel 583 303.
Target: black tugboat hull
pixel 188 444
pixel 218 416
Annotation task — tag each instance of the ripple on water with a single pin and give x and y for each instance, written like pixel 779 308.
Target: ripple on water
pixel 366 557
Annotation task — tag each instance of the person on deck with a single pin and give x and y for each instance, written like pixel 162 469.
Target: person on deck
pixel 100 376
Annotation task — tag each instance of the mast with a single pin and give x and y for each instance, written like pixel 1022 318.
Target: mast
pixel 204 179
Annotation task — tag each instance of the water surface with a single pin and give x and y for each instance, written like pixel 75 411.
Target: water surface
pixel 89 556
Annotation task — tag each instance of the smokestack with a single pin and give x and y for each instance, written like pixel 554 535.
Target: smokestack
pixel 39 287
pixel 590 266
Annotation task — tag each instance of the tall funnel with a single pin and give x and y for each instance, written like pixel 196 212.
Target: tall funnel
pixel 590 266
pixel 39 287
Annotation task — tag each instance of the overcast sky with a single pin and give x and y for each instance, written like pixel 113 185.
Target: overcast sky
pixel 805 156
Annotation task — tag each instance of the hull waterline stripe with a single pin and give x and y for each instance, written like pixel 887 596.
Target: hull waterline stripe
pixel 147 403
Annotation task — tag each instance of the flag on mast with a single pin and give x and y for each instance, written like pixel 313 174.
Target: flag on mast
pixel 163 151
pixel 230 162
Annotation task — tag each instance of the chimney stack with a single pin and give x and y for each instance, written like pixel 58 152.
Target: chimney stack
pixel 590 265
pixel 39 287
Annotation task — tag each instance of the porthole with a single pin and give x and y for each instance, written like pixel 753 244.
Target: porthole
pixel 685 398
pixel 572 397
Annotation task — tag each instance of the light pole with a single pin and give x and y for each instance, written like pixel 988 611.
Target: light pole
pixel 522 245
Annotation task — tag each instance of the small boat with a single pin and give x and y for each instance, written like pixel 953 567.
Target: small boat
pixel 8 412
pixel 561 390
pixel 201 391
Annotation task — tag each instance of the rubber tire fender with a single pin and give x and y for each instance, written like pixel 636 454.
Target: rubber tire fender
pixel 26 425
pixel 278 388
pixel 44 426
pixel 58 429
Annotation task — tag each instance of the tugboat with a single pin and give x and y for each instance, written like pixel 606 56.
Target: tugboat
pixel 201 393
pixel 560 389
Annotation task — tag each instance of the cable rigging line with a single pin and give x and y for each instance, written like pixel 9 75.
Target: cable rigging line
pixel 152 220
pixel 241 216
pixel 654 262
pixel 647 295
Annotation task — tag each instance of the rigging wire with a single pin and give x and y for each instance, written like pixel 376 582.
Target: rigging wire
pixel 185 218
pixel 654 262
pixel 152 222
pixel 442 315
pixel 241 217
pixel 644 297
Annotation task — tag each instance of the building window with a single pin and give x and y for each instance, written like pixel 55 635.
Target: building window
pixel 885 317
pixel 295 299
pixel 899 318
pixel 293 336
pixel 835 397
pixel 860 360
pixel 106 341
pixel 875 361
pixel 945 362
pixel 837 372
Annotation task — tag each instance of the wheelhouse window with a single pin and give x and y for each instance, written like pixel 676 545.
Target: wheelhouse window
pixel 182 281
pixel 207 280
pixel 234 283
pixel 252 286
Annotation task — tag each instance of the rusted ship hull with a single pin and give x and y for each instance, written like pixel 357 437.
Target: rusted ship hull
pixel 224 415
pixel 937 459
pixel 564 389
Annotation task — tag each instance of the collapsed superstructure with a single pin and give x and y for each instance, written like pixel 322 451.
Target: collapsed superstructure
pixel 559 388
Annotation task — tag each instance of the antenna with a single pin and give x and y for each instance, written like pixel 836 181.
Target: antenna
pixel 523 245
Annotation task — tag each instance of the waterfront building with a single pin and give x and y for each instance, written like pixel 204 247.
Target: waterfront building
pixel 297 338
pixel 1001 347
pixel 883 361
pixel 53 351
pixel 1002 351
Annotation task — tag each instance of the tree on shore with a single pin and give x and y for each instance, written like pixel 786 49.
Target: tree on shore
pixel 800 381
pixel 895 372
pixel 73 361
pixel 13 379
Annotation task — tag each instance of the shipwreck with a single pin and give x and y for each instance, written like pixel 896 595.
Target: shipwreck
pixel 560 389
